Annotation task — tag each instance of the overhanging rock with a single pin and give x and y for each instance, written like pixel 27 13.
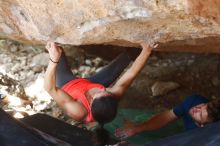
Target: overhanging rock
pixel 115 22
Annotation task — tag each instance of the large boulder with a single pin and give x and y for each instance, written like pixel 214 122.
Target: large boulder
pixel 117 22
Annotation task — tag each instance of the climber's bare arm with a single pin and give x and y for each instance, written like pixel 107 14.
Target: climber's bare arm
pixel 156 122
pixel 127 78
pixel 65 101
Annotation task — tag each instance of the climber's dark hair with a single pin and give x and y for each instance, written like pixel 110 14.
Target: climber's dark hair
pixel 104 109
pixel 102 135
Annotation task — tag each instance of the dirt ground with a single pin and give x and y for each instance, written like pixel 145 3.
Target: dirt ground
pixel 195 73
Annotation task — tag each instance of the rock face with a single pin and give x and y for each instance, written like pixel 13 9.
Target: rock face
pixel 118 22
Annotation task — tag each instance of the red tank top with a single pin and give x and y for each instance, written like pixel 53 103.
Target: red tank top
pixel 77 88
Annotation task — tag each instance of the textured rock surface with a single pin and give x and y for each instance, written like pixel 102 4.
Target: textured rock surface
pixel 121 22
pixel 162 88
